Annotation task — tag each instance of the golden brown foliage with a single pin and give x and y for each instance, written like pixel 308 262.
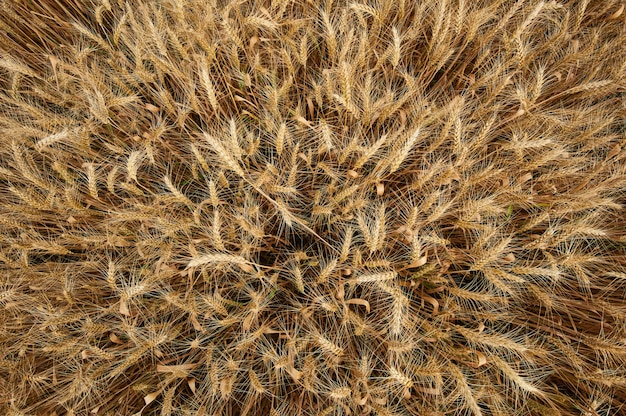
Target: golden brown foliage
pixel 294 207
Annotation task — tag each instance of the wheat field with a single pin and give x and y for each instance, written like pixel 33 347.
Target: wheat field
pixel 298 207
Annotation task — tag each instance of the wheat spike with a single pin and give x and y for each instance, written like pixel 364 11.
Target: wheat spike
pixel 398 156
pixel 226 158
pixel 216 258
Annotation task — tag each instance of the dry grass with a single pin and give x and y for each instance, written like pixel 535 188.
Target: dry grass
pixel 299 208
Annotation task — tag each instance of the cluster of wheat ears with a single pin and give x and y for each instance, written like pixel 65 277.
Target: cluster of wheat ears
pixel 293 207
